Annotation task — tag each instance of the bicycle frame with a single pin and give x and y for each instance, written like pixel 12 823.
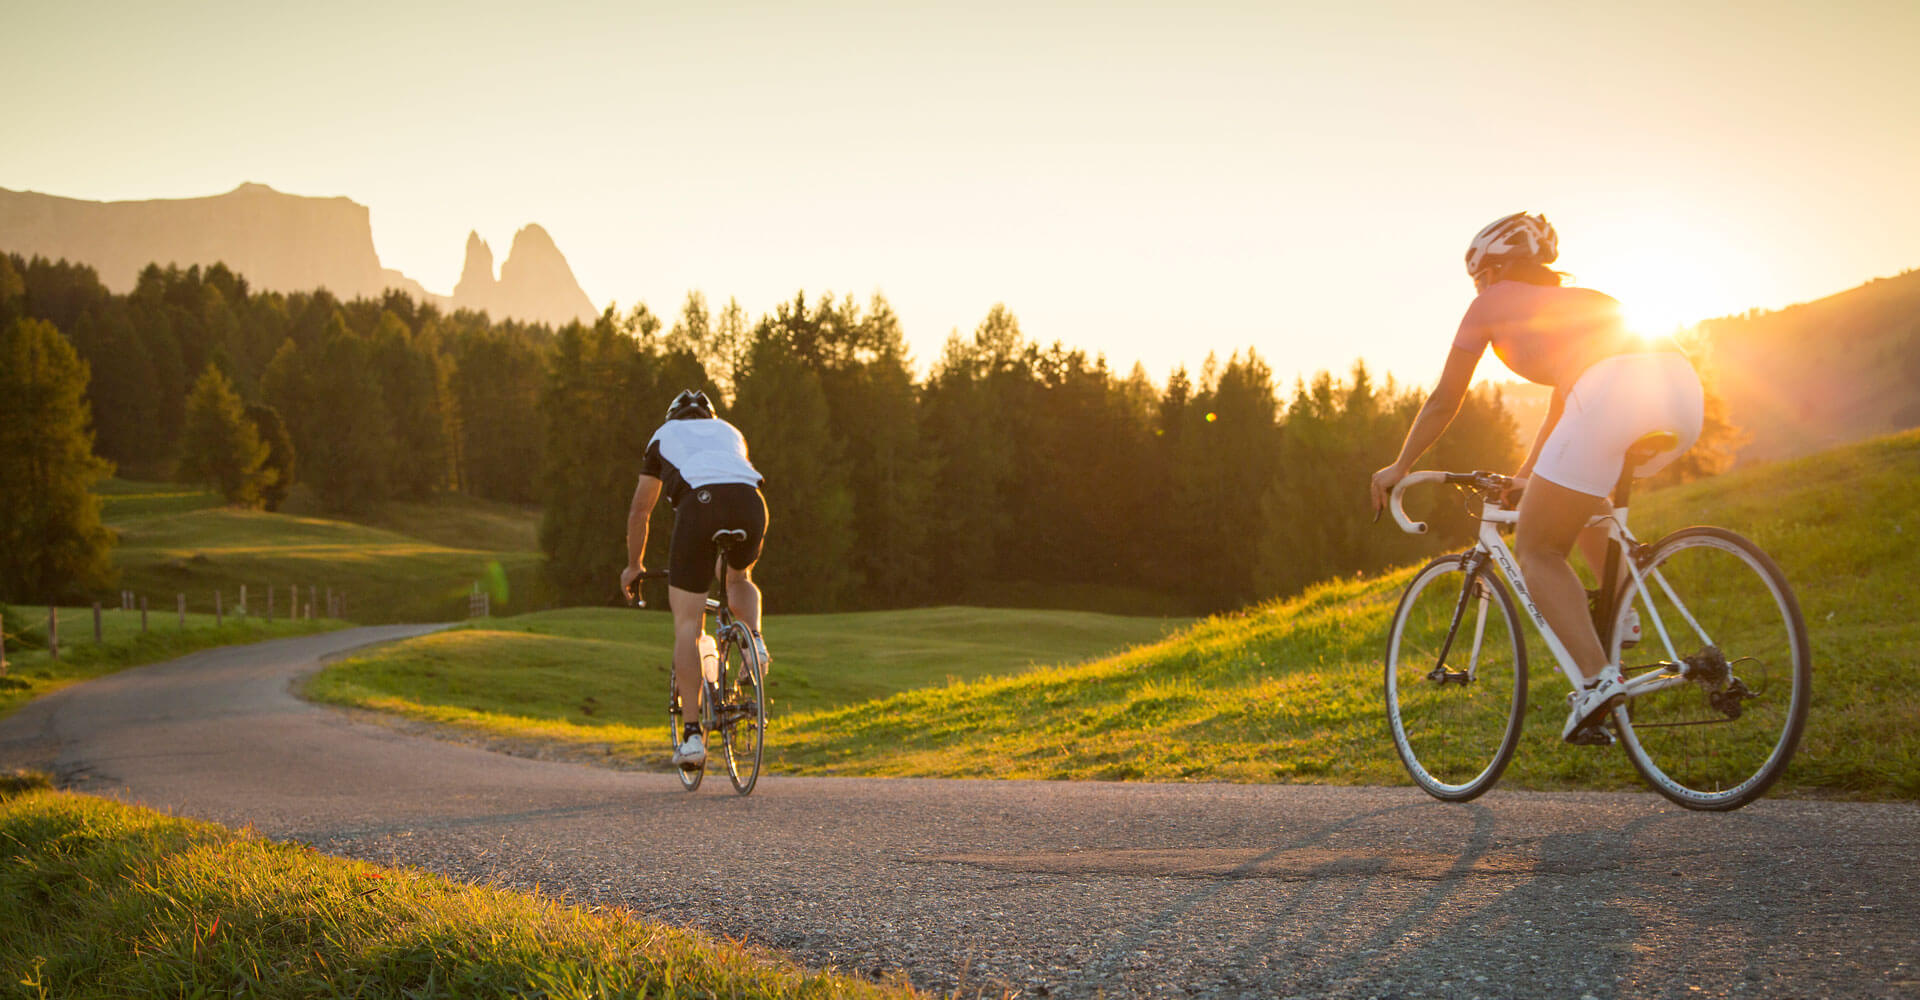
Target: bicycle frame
pixel 1490 547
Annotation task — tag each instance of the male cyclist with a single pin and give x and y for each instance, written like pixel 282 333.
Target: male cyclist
pixel 700 462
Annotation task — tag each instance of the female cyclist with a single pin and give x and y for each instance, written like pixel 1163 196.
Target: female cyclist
pixel 1610 387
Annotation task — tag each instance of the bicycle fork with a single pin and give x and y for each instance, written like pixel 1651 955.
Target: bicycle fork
pixel 1474 562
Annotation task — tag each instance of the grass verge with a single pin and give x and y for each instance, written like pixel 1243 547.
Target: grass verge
pixel 596 678
pixel 32 673
pixel 99 899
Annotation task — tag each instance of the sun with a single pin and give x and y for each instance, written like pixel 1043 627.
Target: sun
pixel 1667 276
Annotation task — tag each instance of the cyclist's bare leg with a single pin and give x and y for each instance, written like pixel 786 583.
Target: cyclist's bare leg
pixel 1593 548
pixel 743 596
pixel 1551 519
pixel 689 619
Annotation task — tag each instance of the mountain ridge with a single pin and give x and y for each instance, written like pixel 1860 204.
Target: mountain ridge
pixel 283 242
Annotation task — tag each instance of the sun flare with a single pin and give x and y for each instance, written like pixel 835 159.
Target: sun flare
pixel 1667 276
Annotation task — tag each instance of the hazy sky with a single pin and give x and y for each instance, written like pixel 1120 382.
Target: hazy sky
pixel 1153 181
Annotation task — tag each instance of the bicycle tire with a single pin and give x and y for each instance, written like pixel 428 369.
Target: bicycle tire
pixel 1720 741
pixel 1455 735
pixel 676 719
pixel 743 723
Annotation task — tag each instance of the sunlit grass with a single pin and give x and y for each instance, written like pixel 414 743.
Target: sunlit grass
pixel 174 541
pixel 1289 690
pixel 597 677
pixel 99 899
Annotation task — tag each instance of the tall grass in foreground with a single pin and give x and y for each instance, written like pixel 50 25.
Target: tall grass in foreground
pixel 1290 690
pixel 99 899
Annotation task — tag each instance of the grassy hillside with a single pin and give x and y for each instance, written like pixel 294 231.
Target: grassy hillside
pixel 1822 373
pixel 1286 691
pixel 1289 691
pixel 598 676
pixel 408 562
pixel 100 899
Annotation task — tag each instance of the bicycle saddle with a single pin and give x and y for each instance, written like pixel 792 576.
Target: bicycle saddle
pixel 729 536
pixel 1651 445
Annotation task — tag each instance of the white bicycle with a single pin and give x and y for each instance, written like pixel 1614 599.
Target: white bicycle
pixel 1710 718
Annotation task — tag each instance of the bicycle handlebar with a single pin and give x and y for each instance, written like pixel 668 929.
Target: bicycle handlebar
pixel 1407 524
pixel 632 594
pixel 1490 484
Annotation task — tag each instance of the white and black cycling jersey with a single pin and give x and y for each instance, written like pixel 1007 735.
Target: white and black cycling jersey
pixel 688 454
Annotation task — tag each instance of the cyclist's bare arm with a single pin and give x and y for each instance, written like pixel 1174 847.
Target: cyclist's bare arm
pixel 645 495
pixel 1435 414
pixel 1556 405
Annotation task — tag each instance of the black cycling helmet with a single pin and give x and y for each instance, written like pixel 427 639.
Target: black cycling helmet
pixel 689 405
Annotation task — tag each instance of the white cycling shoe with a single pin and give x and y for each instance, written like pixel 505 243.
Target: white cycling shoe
pixel 691 752
pixel 760 650
pixel 1592 702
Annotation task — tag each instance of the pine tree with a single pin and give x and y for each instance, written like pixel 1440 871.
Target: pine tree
pixel 782 411
pixel 221 447
pixel 52 545
pixel 280 456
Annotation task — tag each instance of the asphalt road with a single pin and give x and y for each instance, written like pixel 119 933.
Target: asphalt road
pixel 1038 888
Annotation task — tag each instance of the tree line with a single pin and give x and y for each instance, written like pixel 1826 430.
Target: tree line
pixel 1013 472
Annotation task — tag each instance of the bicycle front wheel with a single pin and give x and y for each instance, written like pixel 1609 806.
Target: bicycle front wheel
pixel 1736 652
pixel 743 721
pixel 1456 679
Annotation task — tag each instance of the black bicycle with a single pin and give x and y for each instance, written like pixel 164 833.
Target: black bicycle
pixel 733 699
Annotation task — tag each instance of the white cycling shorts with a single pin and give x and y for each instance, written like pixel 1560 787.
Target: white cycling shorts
pixel 1613 404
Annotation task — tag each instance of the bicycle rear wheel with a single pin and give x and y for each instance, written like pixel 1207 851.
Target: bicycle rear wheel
pixel 1456 680
pixel 1722 614
pixel 676 722
pixel 743 709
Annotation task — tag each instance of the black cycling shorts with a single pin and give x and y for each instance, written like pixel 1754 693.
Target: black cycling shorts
pixel 703 511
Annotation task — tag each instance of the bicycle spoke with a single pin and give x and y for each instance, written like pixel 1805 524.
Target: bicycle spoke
pixel 1721 734
pixel 1454 729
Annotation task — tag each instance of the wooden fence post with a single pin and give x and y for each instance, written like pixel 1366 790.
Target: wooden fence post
pixel 219 614
pixel 143 614
pixel 96 623
pixel 243 600
pixel 53 632
pixel 181 600
pixel 269 603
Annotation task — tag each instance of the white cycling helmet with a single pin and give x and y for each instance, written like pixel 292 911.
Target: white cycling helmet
pixel 1517 237
pixel 689 405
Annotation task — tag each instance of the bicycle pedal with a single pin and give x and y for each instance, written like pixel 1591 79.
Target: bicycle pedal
pixel 1592 736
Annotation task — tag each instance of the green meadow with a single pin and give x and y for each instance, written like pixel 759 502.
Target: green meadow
pixel 1286 691
pixel 401 562
pixel 100 899
pixel 596 678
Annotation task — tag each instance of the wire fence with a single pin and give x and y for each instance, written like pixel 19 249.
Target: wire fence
pixel 290 602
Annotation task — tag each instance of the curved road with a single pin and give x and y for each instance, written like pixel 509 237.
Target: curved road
pixel 1044 889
